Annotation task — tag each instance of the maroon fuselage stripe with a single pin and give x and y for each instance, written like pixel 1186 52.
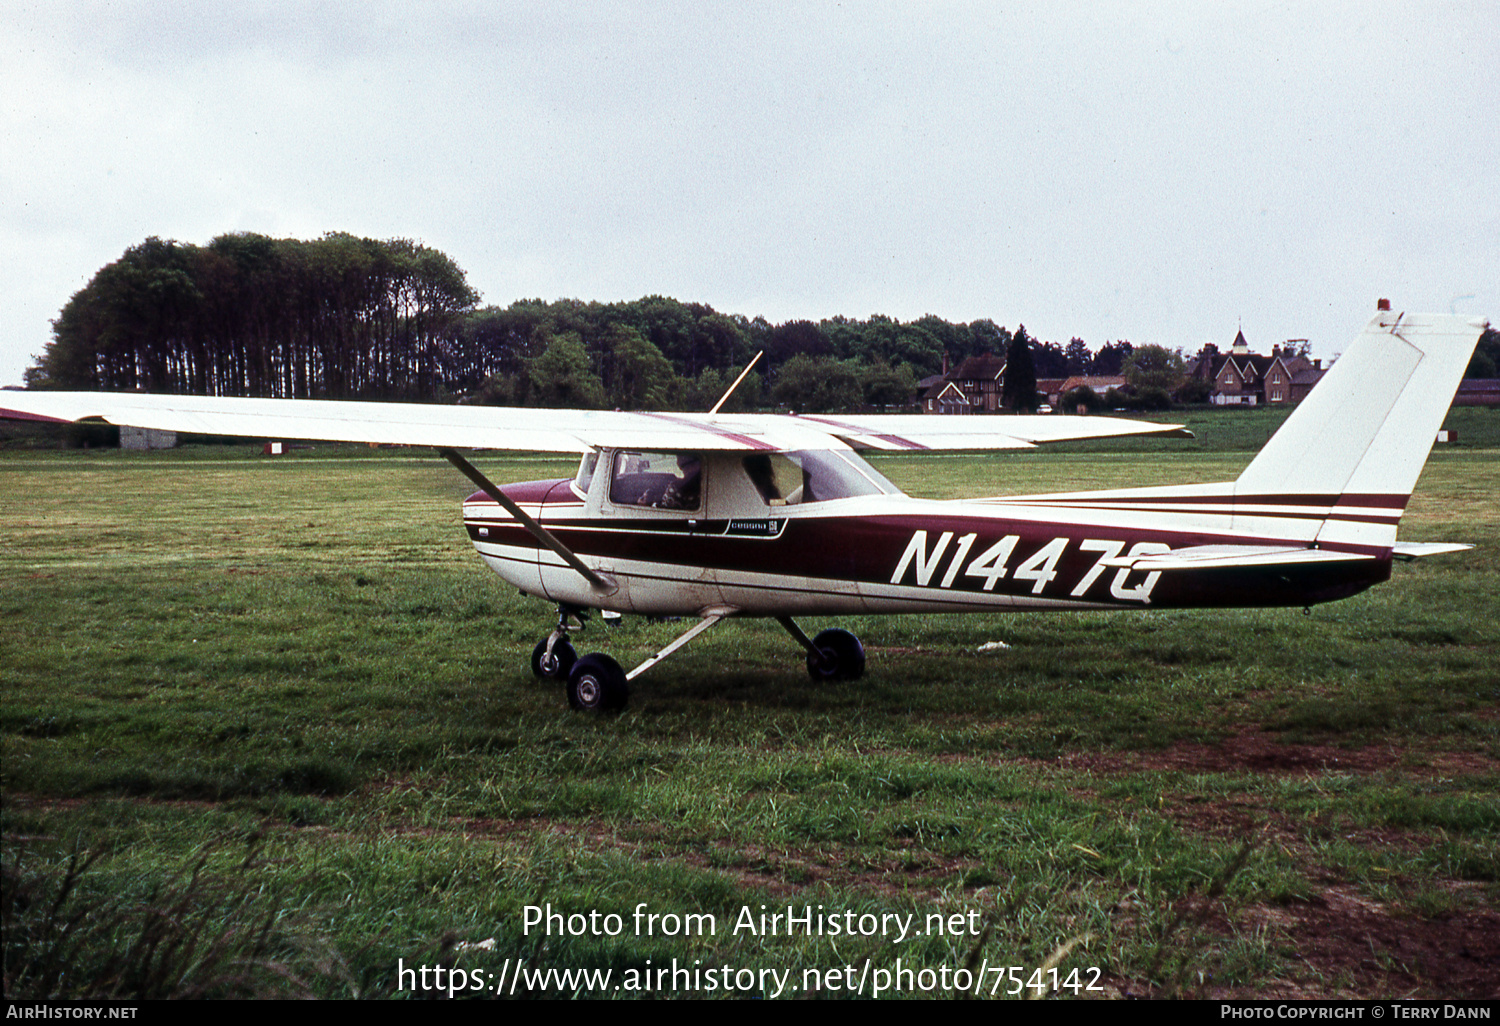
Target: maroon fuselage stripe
pixel 1304 507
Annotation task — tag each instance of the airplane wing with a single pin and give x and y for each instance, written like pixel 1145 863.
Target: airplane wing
pixel 541 430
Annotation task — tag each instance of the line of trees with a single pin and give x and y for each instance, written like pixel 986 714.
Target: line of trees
pixel 250 315
pixel 348 317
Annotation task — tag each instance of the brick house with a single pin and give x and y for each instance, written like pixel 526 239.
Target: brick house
pixel 1243 378
pixel 942 396
pixel 974 387
pixel 982 380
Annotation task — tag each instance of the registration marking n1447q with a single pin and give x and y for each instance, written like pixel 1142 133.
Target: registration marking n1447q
pixel 1040 568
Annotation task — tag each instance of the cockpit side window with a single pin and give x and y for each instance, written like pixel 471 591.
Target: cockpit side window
pixel 657 479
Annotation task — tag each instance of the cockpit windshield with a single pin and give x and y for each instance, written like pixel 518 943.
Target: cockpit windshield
pixel 585 476
pixel 814 475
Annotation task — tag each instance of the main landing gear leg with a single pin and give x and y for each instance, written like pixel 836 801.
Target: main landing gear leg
pixel 598 684
pixel 833 655
pixel 553 657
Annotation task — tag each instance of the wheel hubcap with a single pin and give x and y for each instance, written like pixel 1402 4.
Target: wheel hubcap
pixel 588 691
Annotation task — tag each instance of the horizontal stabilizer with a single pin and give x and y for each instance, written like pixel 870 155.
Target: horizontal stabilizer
pixel 1416 550
pixel 1219 557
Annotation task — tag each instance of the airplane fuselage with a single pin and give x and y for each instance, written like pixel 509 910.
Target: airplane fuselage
pixel 890 553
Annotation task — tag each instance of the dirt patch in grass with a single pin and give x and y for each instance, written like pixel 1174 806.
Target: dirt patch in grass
pixel 1337 941
pixel 1231 820
pixel 914 875
pixel 1366 949
pixel 1265 752
pixel 1340 944
pixel 777 871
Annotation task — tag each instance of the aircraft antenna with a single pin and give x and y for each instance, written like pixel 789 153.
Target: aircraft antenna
pixel 725 397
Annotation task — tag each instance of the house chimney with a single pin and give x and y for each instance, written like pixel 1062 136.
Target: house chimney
pixel 1382 304
pixel 945 363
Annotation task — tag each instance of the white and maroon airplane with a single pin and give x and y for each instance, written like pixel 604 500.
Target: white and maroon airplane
pixel 717 515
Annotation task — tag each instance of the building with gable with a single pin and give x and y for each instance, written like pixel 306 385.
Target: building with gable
pixel 1243 378
pixel 975 386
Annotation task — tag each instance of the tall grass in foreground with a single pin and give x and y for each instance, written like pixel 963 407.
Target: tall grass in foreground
pixel 195 934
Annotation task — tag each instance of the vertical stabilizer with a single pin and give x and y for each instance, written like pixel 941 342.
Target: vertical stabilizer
pixel 1360 438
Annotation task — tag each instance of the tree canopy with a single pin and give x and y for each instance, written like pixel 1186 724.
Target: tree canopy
pixel 1154 367
pixel 250 315
pixel 1020 374
pixel 1486 358
pixel 349 317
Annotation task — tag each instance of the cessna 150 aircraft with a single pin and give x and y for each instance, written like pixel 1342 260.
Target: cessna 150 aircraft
pixel 715 515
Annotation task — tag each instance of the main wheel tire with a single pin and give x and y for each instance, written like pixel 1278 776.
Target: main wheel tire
pixel 561 663
pixel 597 684
pixel 843 657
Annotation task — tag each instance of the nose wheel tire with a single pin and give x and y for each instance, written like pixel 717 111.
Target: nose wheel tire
pixel 597 684
pixel 842 657
pixel 558 666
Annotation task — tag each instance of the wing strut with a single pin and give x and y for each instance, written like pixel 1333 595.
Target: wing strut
pixel 535 529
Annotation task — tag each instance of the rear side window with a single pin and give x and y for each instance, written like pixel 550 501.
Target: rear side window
pixel 813 475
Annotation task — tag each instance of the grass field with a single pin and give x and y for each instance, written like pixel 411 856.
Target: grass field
pixel 268 728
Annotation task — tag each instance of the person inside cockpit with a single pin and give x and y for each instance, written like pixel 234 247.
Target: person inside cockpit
pixel 684 493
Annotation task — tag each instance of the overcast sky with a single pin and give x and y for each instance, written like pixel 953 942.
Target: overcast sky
pixel 1089 170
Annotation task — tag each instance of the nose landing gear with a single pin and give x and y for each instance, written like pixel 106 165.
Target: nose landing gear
pixel 553 657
